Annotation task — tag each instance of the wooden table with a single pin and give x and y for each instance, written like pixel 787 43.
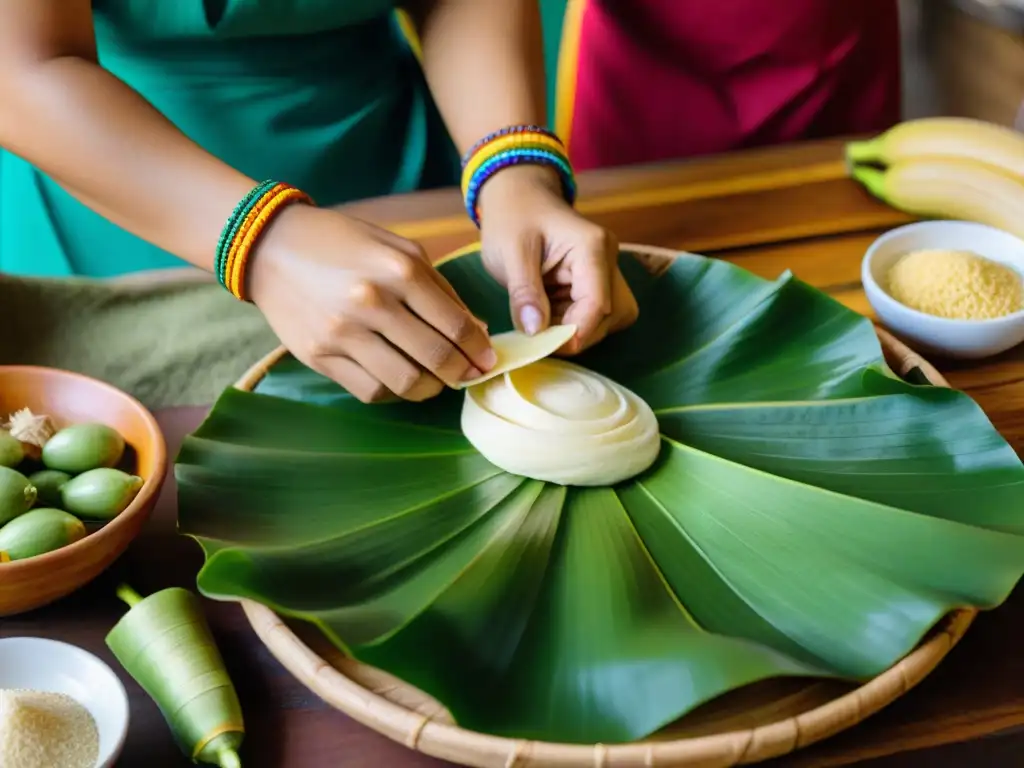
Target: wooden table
pixel 768 211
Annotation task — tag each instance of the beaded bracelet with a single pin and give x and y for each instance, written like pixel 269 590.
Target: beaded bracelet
pixel 520 141
pixel 507 131
pixel 515 145
pixel 243 228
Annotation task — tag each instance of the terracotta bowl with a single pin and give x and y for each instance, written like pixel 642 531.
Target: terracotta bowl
pixel 69 398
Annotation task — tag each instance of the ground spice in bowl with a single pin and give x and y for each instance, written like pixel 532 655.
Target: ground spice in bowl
pixel 46 730
pixel 955 284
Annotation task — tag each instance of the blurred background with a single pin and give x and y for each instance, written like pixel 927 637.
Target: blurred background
pixel 964 57
pixel 960 57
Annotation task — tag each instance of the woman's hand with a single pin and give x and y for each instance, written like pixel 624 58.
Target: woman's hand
pixel 558 267
pixel 364 307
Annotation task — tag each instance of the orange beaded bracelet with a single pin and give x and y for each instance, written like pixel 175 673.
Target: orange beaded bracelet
pixel 243 229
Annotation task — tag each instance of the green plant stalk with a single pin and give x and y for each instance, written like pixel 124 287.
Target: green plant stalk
pixel 867 151
pixel 873 180
pixel 165 644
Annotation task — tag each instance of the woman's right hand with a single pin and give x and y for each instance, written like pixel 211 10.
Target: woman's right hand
pixel 364 307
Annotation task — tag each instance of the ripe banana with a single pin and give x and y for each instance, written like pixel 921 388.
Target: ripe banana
pixel 944 137
pixel 949 189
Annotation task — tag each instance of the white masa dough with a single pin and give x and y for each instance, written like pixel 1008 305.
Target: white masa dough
pixel 555 421
pixel 516 349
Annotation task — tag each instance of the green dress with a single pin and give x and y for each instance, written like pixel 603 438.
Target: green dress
pixel 323 94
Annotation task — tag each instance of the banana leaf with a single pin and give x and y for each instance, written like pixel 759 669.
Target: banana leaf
pixel 810 514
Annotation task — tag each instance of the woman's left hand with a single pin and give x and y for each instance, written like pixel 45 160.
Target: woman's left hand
pixel 558 267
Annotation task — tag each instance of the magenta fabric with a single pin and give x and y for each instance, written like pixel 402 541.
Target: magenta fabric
pixel 660 79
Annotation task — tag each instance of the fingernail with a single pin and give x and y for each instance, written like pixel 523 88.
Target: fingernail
pixel 472 373
pixel 531 319
pixel 489 358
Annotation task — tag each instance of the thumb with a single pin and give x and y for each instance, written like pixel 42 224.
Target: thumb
pixel 531 311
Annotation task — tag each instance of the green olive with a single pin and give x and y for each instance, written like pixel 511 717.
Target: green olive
pixel 82 447
pixel 39 531
pixel 100 494
pixel 48 483
pixel 12 452
pixel 17 494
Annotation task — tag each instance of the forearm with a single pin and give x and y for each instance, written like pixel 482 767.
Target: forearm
pixel 112 150
pixel 484 61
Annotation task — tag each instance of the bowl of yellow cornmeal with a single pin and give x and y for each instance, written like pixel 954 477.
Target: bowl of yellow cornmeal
pixel 60 706
pixel 955 288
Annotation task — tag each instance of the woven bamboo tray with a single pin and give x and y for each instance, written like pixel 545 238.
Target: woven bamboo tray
pixel 755 723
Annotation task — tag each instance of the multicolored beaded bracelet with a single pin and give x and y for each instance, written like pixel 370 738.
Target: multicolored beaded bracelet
pixel 500 146
pixel 515 145
pixel 243 228
pixel 507 131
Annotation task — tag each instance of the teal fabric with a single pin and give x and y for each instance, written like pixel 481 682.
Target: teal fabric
pixel 322 94
pixel 552 16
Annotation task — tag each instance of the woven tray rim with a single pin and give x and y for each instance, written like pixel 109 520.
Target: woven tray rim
pixel 418 730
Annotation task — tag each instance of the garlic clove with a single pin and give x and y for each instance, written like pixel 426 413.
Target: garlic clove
pixel 31 430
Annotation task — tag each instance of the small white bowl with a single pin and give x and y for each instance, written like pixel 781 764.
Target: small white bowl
pixel 50 666
pixel 967 339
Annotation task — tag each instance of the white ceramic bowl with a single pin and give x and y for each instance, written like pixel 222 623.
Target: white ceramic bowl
pixel 927 333
pixel 54 667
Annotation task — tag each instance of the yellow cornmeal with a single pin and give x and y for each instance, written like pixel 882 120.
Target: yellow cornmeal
pixel 955 284
pixel 46 730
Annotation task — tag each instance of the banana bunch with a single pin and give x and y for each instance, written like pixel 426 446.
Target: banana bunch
pixel 946 167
